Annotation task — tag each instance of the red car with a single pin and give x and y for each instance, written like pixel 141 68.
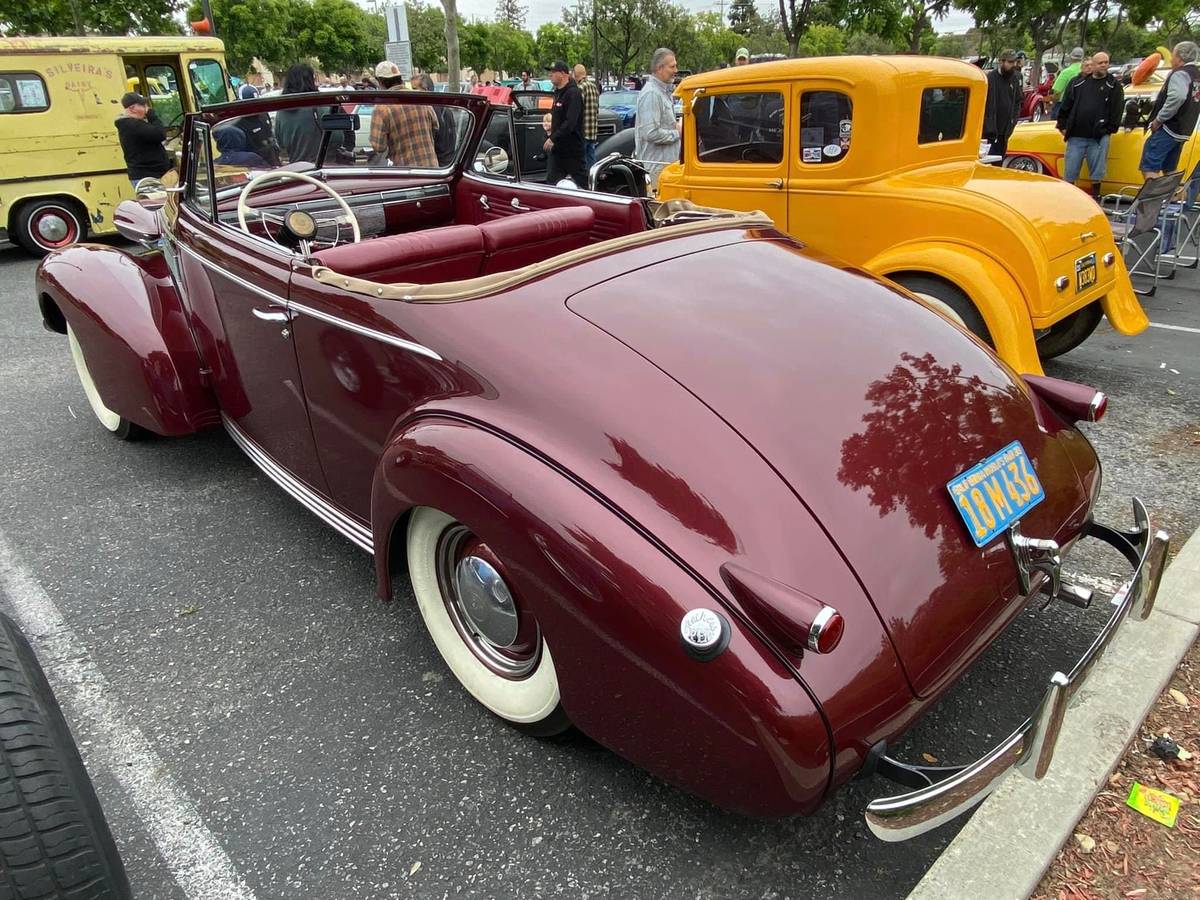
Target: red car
pixel 635 485
pixel 1035 102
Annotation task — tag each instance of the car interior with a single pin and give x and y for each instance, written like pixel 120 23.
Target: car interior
pixel 401 227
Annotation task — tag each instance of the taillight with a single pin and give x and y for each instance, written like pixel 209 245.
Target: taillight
pixel 827 629
pixel 1073 402
pixel 796 621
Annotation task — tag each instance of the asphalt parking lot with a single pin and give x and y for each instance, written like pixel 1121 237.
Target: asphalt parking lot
pixel 256 722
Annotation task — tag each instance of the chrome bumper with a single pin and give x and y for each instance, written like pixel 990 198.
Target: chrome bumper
pixel 954 790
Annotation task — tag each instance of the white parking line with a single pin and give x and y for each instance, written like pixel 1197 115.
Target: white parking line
pixel 190 851
pixel 1175 327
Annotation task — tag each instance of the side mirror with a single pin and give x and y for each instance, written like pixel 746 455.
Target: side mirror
pixel 493 160
pixel 136 222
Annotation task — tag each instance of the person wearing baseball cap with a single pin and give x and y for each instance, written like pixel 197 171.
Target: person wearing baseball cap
pixel 402 133
pixel 742 57
pixel 564 145
pixel 142 137
pixel 1003 104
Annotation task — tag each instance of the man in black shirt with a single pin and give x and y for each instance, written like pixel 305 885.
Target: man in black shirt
pixel 1003 103
pixel 1091 111
pixel 142 137
pixel 564 146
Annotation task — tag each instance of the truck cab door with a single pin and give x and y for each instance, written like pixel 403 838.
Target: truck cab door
pixel 737 156
pixel 819 171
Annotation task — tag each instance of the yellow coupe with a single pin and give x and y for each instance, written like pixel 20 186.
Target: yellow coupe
pixel 875 160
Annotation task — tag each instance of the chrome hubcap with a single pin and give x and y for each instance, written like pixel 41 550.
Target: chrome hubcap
pixel 488 617
pixel 52 227
pixel 486 602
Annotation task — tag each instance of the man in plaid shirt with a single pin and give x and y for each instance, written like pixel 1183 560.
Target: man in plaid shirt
pixel 591 112
pixel 402 133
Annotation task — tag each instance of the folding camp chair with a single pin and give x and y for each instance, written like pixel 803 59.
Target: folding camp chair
pixel 1181 226
pixel 1137 225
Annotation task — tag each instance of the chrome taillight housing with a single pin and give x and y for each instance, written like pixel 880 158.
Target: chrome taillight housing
pixel 790 617
pixel 1072 401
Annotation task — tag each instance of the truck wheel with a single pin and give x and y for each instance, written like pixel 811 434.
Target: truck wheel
pixel 45 225
pixel 54 841
pixel 949 301
pixel 1069 333
pixel 116 424
pixel 1024 164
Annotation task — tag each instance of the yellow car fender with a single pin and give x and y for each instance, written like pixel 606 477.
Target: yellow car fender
pixel 1121 306
pixel 985 282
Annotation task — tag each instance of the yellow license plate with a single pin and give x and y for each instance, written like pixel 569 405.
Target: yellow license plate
pixel 1085 272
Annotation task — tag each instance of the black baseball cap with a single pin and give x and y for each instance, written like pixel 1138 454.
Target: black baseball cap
pixel 557 66
pixel 131 98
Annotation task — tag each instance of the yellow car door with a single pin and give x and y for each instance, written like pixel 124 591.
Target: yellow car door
pixel 738 149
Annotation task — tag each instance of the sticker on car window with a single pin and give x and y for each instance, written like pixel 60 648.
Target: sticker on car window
pixel 811 154
pixel 833 149
pixel 812 137
pixel 844 127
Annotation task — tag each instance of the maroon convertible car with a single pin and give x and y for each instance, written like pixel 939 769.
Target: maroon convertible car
pixel 654 470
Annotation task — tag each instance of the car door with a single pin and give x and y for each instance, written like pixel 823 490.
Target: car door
pixel 237 288
pixel 820 159
pixel 737 153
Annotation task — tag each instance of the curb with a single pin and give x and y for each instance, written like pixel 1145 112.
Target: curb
pixel 1008 844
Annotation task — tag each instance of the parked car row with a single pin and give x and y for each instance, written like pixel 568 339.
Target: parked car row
pixel 704 500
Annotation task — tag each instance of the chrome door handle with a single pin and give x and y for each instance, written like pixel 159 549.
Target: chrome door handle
pixel 776 183
pixel 516 204
pixel 272 315
pixel 483 201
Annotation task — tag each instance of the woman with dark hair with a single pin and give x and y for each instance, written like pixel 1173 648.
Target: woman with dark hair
pixel 299 130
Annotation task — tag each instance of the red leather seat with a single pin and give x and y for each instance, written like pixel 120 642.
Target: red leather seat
pixel 450 253
pixel 525 238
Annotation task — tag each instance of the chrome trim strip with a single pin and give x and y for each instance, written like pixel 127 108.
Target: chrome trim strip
pixel 1030 748
pixel 241 282
pixel 819 624
pixel 365 331
pixel 357 533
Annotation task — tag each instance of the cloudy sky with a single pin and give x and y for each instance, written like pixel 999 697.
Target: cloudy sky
pixel 542 11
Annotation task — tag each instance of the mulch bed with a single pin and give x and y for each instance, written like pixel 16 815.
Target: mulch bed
pixel 1117 851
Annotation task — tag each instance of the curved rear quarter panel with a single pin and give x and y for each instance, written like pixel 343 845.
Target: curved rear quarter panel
pixel 739 731
pixel 128 318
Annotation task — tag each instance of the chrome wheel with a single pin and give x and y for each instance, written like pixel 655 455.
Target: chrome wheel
pixel 1024 164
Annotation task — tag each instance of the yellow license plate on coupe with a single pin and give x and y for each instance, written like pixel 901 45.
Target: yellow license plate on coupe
pixel 995 493
pixel 1085 272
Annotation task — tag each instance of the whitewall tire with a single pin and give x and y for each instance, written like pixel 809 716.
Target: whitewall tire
pixel 113 422
pixel 487 636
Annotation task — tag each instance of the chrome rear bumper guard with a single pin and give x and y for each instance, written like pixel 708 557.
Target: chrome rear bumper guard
pixel 945 792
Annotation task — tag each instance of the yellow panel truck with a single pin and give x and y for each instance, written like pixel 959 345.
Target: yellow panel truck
pixel 61 169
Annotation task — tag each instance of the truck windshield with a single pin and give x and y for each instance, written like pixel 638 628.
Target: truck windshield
pixel 208 82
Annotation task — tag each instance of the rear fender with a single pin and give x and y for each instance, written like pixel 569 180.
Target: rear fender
pixel 738 730
pixel 131 325
pixel 1121 305
pixel 993 291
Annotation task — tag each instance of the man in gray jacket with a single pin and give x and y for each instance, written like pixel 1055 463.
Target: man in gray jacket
pixel 657 139
pixel 1175 112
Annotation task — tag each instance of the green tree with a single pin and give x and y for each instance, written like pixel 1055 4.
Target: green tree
pixel 30 17
pixel 473 41
pixel 823 40
pixel 715 44
pixel 511 12
pixel 427 31
pixel 556 40
pixel 863 44
pixel 744 17
pixel 512 50
pixel 453 64
pixel 251 28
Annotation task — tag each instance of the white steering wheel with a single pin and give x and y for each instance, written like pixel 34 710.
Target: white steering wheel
pixel 285 175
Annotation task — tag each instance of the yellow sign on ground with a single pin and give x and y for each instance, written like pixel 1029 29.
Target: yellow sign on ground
pixel 1157 805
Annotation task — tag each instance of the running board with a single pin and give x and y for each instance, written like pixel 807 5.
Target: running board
pixel 346 526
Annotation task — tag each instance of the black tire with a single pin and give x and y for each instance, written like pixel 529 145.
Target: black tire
pixel 54 841
pixel 1067 334
pixel 36 223
pixel 958 302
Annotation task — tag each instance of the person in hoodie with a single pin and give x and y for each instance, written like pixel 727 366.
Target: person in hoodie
pixel 231 141
pixel 142 136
